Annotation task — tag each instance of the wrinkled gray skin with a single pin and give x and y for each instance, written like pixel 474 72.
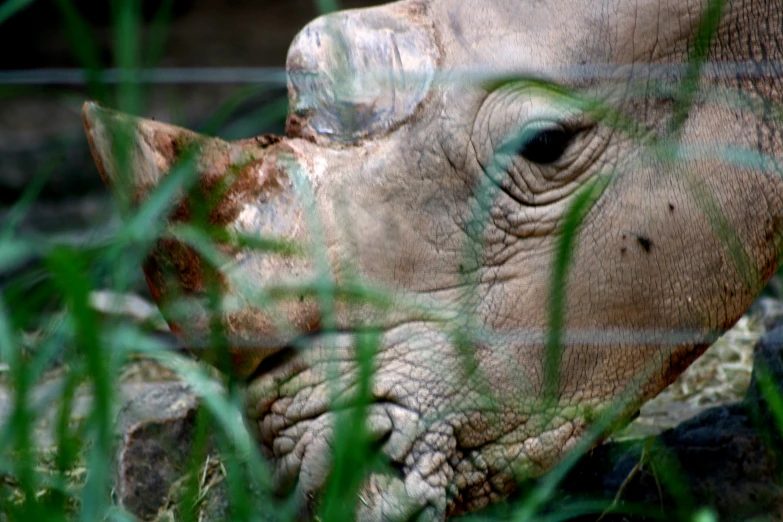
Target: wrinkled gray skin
pixel 395 145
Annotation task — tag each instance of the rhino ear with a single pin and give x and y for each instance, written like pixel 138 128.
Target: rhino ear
pixel 134 154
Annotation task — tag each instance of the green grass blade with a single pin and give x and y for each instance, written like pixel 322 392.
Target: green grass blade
pixel 126 15
pixel 582 203
pixel 10 7
pixel 327 6
pixel 85 47
pixel 70 276
pixel 700 50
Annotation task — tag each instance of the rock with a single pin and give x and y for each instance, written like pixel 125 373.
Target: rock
pixel 717 459
pixel 769 309
pixel 767 360
pixel 727 458
pixel 155 432
pixel 133 306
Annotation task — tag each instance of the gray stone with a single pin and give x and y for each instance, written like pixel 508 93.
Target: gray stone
pixel 155 432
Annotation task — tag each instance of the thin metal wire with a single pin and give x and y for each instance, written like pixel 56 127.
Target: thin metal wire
pixel 627 338
pixel 277 75
pixel 196 75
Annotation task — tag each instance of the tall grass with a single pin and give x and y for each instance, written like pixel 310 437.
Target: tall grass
pixel 46 319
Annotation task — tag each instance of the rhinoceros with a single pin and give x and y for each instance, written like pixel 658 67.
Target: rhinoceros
pixel 534 214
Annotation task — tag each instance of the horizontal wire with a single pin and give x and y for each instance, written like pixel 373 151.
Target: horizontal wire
pixel 626 338
pixel 278 75
pixel 195 75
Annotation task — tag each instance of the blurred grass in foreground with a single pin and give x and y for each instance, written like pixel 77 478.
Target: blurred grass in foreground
pixel 47 320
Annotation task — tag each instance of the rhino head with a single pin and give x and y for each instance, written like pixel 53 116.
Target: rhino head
pixel 442 153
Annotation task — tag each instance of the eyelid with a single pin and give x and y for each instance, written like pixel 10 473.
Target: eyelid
pixel 574 123
pixel 570 119
pixel 514 140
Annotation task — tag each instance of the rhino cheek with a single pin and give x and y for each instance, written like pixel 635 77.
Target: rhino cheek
pixel 656 277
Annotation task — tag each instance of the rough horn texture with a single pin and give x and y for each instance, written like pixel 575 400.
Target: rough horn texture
pixel 450 192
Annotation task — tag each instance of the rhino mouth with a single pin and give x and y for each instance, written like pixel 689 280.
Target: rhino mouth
pixel 301 395
pixel 420 430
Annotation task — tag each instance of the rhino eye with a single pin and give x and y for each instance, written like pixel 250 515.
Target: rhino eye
pixel 545 145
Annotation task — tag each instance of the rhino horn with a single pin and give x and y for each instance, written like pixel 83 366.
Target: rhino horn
pixel 245 187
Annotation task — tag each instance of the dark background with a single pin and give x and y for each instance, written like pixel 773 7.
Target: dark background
pixel 40 126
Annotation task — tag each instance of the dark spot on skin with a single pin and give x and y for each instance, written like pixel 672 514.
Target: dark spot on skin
pixel 645 243
pixel 671 207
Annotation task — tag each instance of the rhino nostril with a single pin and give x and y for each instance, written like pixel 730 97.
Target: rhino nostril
pixel 396 468
pixel 275 360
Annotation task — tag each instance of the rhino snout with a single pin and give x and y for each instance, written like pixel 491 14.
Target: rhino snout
pixel 242 191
